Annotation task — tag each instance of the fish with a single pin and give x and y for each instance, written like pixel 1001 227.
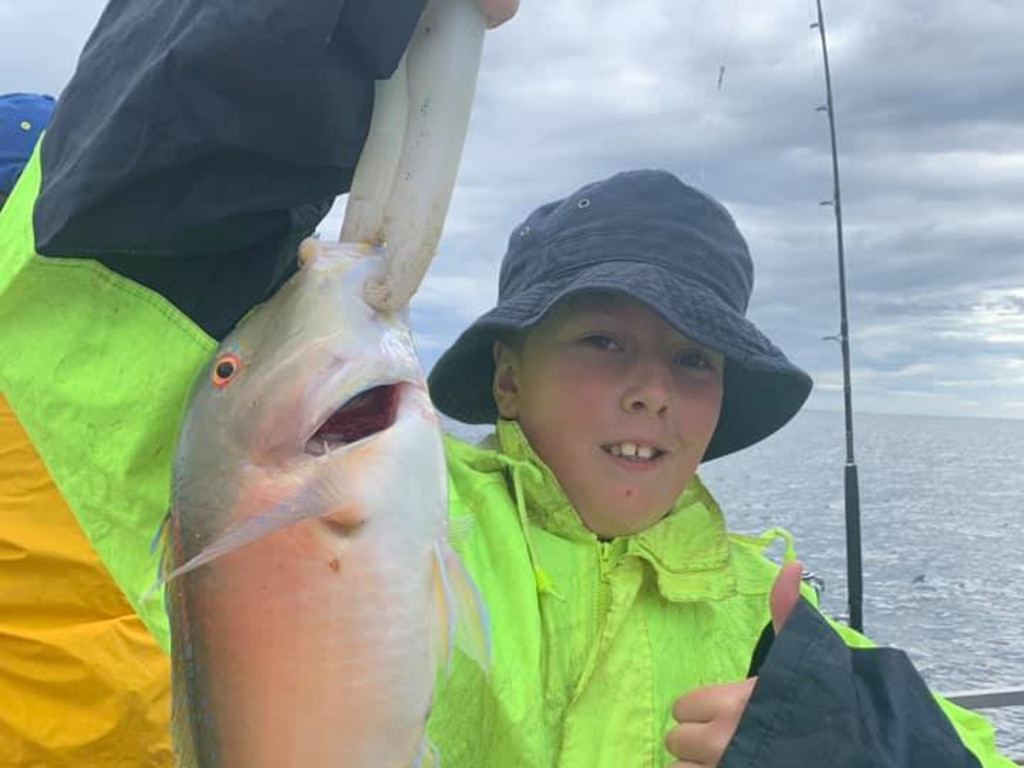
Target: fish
pixel 313 595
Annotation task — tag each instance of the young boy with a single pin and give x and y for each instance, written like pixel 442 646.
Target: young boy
pixel 624 617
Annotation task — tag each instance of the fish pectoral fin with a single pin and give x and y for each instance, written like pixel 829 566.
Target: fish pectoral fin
pixel 462 615
pixel 443 626
pixel 248 530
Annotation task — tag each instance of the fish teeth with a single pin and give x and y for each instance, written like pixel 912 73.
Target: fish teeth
pixel 318 446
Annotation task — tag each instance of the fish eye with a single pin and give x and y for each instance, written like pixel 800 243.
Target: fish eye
pixel 225 369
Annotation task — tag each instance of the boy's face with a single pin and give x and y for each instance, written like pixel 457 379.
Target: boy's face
pixel 616 402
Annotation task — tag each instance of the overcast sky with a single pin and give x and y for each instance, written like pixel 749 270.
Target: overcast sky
pixel 931 134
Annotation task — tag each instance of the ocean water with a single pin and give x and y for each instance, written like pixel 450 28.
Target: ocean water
pixel 942 521
pixel 942 524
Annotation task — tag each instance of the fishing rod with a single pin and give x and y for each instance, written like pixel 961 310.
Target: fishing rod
pixel 854 567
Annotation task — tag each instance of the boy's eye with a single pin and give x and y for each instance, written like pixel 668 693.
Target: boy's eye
pixel 695 358
pixel 600 341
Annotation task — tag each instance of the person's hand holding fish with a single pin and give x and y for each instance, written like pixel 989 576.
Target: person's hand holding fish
pixel 497 12
pixel 406 173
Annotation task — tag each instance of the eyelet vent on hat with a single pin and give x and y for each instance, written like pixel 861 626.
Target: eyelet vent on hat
pixel 584 202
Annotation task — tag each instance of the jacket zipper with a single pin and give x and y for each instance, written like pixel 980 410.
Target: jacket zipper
pixel 604 587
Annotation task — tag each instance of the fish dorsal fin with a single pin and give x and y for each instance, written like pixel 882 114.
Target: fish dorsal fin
pixel 182 735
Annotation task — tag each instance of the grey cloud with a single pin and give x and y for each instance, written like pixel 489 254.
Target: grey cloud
pixel 931 133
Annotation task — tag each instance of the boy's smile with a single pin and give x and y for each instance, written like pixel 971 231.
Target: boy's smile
pixel 637 453
pixel 616 402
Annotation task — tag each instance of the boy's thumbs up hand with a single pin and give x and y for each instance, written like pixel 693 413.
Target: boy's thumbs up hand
pixel 708 717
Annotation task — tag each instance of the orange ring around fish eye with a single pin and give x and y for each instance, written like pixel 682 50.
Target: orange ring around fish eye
pixel 225 369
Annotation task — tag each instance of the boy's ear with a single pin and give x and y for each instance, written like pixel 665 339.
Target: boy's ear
pixel 505 386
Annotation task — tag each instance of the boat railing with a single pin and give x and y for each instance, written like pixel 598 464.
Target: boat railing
pixel 994 698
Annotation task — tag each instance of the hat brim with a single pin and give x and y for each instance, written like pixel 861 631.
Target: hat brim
pixel 762 389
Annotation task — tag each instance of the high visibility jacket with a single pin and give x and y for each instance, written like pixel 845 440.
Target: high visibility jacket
pixel 94 373
pixel 593 641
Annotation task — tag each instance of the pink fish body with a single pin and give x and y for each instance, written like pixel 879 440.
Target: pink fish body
pixel 311 592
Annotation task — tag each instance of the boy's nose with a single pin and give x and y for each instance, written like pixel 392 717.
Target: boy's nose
pixel 648 391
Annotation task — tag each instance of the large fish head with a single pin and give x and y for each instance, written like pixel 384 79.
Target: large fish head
pixel 315 405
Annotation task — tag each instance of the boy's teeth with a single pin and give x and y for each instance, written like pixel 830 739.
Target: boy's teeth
pixel 632 451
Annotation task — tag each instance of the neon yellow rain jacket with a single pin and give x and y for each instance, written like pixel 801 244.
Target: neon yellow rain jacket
pixel 594 641
pixel 93 376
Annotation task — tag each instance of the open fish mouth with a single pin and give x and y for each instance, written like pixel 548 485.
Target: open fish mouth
pixel 367 413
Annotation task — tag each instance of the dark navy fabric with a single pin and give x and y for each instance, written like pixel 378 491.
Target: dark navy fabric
pixel 819 702
pixel 199 140
pixel 761 650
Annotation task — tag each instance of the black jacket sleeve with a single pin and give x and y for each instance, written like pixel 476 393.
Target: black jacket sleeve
pixel 199 140
pixel 819 702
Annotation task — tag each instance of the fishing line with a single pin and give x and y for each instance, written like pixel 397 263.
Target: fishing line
pixel 730 36
pixel 699 176
pixel 812 47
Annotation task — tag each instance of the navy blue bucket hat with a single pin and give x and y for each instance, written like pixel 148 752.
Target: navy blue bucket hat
pixel 23 116
pixel 649 236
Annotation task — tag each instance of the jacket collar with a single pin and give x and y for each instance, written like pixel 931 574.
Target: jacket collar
pixel 688 549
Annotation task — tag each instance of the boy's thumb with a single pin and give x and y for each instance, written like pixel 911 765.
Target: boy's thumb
pixel 785 593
